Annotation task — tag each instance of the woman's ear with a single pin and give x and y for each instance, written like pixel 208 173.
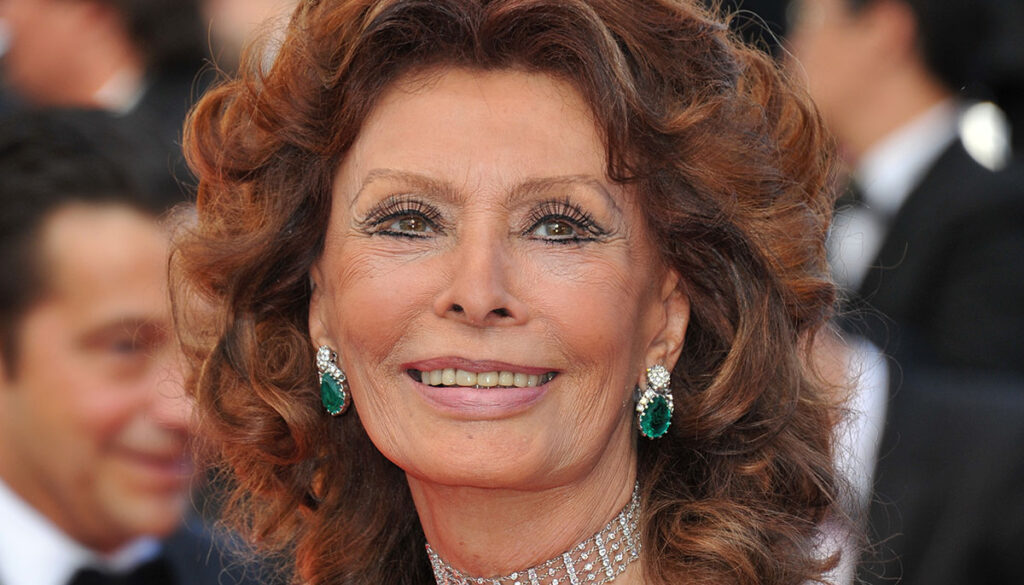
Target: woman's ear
pixel 317 308
pixel 667 344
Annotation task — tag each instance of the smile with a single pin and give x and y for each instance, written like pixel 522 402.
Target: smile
pixel 462 378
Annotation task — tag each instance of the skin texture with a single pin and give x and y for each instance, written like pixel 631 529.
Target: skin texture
pixel 93 421
pixel 481 259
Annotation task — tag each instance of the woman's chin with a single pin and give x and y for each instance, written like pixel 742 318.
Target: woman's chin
pixel 482 455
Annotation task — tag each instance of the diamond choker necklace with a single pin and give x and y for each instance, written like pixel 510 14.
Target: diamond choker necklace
pixel 599 559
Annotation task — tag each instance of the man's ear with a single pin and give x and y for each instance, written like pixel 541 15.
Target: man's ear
pixel 667 344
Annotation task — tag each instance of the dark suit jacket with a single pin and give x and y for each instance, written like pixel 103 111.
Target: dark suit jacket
pixel 949 484
pixel 200 558
pixel 947 287
pixel 945 298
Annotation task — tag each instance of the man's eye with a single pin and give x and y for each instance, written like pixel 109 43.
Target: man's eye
pixel 122 346
pixel 556 229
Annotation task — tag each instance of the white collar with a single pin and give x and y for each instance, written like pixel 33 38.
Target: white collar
pixel 33 551
pixel 890 169
pixel 121 92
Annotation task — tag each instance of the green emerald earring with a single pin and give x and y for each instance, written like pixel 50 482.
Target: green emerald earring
pixel 333 384
pixel 654 408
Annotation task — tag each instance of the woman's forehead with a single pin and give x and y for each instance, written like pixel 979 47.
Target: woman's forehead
pixel 471 125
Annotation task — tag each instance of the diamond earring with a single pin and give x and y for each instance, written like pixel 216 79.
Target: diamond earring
pixel 655 407
pixel 333 384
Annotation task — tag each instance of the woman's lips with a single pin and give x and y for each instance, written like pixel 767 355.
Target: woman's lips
pixel 479 389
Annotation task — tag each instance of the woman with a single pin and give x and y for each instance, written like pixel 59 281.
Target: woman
pixel 500 226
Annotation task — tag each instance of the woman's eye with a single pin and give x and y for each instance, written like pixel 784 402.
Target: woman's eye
pixel 556 229
pixel 403 216
pixel 562 222
pixel 409 224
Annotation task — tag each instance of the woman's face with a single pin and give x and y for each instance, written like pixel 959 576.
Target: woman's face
pixel 492 296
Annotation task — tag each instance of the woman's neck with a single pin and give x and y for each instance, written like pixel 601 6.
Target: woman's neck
pixel 487 532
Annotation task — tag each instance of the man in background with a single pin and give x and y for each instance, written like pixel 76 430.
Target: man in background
pixel 933 238
pixel 929 246
pixel 94 425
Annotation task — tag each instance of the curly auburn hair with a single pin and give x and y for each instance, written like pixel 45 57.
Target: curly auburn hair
pixel 734 174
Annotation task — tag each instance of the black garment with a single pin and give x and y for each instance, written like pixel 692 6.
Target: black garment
pixel 160 114
pixel 949 484
pixel 156 572
pixel 945 298
pixel 201 558
pixel 947 287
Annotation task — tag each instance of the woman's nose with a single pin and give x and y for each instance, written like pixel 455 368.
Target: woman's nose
pixel 480 288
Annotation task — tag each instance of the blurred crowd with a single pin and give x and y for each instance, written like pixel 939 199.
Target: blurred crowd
pixel 97 483
pixel 925 99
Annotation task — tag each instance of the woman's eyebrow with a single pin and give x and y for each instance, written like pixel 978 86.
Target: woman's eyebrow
pixel 416 181
pixel 542 184
pixel 447 191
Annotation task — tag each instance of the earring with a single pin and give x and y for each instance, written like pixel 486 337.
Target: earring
pixel 655 407
pixel 333 383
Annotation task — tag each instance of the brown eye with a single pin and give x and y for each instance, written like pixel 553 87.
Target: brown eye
pixel 410 224
pixel 555 229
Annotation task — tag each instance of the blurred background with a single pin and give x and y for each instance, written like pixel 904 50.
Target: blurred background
pixel 97 481
pixel 925 99
pixel 142 61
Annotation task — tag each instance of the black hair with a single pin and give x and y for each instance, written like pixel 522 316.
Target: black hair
pixel 49 160
pixel 952 36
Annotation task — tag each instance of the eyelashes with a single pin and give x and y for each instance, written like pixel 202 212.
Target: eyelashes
pixel 562 220
pixel 556 221
pixel 403 216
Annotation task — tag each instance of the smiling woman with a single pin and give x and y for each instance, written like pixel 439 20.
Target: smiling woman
pixel 505 224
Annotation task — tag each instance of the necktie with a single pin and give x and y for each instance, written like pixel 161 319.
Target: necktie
pixel 155 572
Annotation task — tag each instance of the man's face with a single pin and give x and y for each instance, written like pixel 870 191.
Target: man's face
pixel 834 47
pixel 93 420
pixel 44 38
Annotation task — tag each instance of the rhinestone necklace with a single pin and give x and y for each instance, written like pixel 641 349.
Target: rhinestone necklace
pixel 599 559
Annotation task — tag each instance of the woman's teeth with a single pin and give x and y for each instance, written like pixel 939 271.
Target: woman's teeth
pixel 454 377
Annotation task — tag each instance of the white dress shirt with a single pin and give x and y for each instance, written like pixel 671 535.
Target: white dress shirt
pixel 34 551
pixel 858 438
